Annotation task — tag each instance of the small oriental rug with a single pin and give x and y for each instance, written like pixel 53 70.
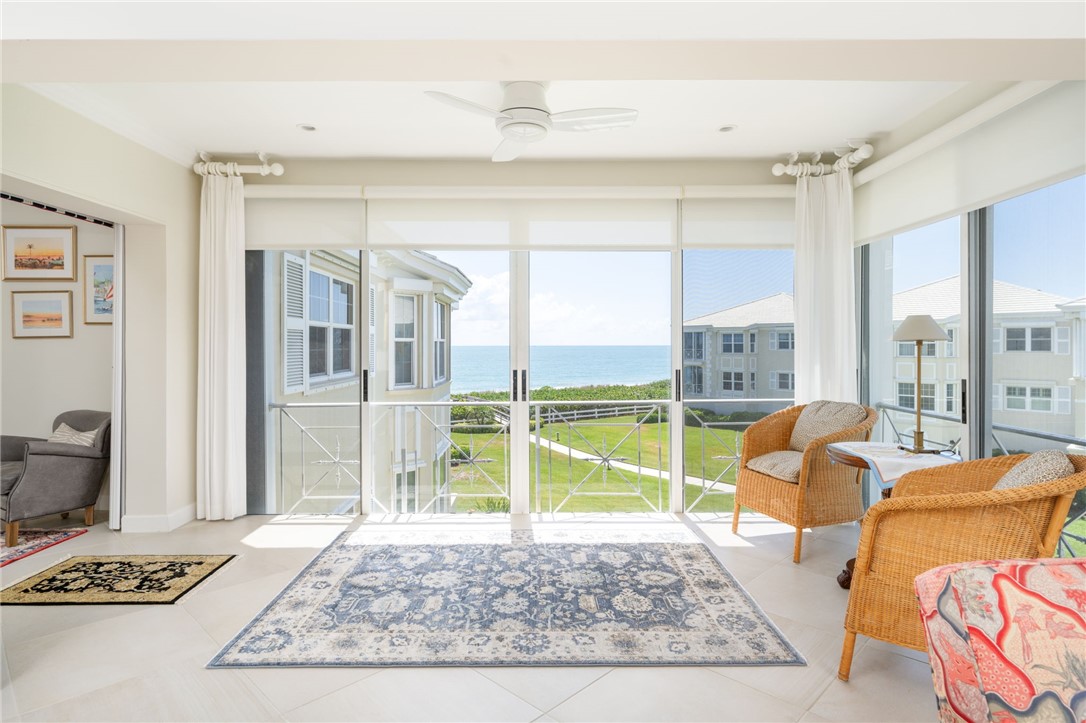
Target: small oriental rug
pixel 510 601
pixel 114 580
pixel 33 540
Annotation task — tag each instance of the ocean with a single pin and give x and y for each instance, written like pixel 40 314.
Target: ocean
pixel 486 368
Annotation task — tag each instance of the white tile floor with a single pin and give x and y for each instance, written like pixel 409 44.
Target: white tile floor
pixel 146 663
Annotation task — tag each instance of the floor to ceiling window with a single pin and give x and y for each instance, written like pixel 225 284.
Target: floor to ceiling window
pixel 739 304
pixel 1024 367
pixel 738 336
pixel 916 273
pixel 1038 248
pixel 312 378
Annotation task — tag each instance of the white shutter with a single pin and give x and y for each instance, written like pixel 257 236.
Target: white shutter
pixel 373 331
pixel 773 342
pixel 294 336
pixel 1063 400
pixel 997 340
pixel 1063 340
pixel 773 376
pixel 997 397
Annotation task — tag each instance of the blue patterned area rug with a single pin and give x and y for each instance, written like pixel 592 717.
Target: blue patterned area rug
pixel 511 600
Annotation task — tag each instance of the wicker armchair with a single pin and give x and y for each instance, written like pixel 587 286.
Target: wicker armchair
pixel 827 493
pixel 941 516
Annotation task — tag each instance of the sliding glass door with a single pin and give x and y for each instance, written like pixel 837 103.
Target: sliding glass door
pixel 306 338
pixel 599 381
pixel 439 392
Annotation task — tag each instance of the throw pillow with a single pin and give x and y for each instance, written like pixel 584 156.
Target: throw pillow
pixel 1043 466
pixel 67 435
pixel 784 465
pixel 821 418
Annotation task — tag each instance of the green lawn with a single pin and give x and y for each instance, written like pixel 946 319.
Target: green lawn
pixel 707 454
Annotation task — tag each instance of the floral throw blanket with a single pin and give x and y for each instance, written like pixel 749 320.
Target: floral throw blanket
pixel 1007 639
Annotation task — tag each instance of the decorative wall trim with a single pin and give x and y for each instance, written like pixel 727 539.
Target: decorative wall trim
pixel 522 192
pixel 275 190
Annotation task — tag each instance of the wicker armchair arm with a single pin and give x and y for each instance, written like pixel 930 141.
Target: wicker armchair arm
pixel 769 434
pixel 939 523
pixel 976 476
pixel 908 542
pixel 1009 496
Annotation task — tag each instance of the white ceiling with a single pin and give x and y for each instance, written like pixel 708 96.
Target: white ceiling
pixel 793 76
pixel 678 119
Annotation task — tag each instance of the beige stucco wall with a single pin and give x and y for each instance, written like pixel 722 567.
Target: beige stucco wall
pixel 60 157
pixel 44 377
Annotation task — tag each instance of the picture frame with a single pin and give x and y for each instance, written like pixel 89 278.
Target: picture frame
pixel 46 253
pixel 97 289
pixel 41 314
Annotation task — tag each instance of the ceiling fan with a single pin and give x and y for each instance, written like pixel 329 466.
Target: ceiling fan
pixel 524 117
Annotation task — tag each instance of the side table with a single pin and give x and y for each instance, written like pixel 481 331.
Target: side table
pixel 887 462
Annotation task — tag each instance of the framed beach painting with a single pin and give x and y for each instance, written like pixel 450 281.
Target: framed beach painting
pixel 97 289
pixel 41 314
pixel 39 252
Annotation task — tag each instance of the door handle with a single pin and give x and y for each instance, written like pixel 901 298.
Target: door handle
pixel 524 385
pixel 964 395
pixel 514 385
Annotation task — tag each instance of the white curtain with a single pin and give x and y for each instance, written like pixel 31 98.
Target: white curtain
pixel 220 405
pixel 825 300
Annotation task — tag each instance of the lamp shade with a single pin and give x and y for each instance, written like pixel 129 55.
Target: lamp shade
pixel 920 327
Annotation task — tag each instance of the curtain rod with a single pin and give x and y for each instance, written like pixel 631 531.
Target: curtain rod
pixel 56 209
pixel 208 167
pixel 856 153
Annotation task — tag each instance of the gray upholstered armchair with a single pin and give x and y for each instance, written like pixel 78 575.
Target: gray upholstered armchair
pixel 38 477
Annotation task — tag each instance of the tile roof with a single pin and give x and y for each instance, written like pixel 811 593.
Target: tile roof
pixel 941 299
pixel 776 309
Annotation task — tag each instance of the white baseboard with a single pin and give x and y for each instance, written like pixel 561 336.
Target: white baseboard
pixel 158 523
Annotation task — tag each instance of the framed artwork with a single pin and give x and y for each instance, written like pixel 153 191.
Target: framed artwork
pixel 41 314
pixel 97 289
pixel 39 252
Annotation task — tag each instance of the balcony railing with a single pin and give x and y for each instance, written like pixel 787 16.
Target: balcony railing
pixel 578 467
pixel 584 453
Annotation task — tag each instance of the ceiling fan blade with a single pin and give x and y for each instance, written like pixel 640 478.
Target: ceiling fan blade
pixel 463 104
pixel 592 119
pixel 507 150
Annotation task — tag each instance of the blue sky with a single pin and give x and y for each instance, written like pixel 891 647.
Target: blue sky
pixel 1039 241
pixel 622 298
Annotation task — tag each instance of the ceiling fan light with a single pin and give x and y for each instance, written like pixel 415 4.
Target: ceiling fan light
pixel 523 131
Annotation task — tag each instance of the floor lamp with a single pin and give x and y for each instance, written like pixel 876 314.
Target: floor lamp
pixel 919 328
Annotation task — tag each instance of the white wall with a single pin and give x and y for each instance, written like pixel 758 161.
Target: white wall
pixel 44 377
pixel 60 157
